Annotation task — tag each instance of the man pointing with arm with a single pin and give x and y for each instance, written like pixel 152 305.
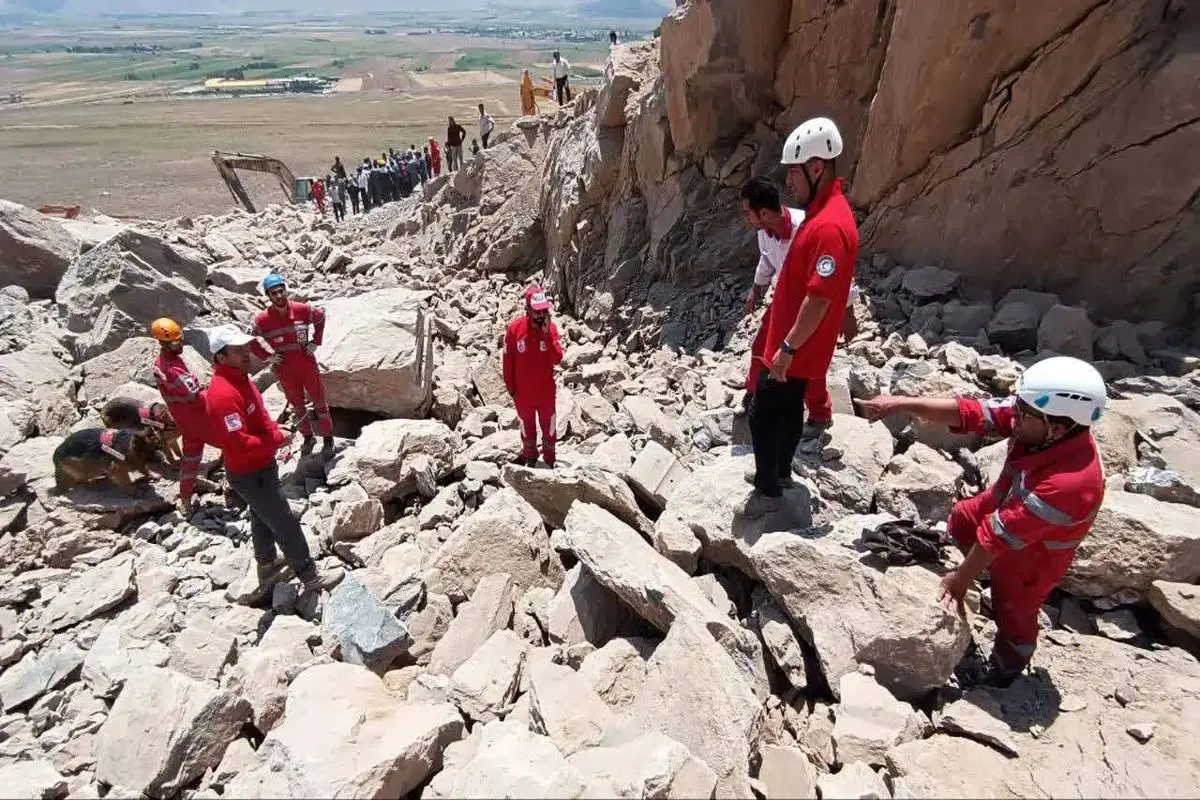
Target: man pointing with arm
pixel 806 313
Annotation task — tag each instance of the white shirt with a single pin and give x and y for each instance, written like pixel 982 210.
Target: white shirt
pixel 561 67
pixel 486 124
pixel 363 179
pixel 772 251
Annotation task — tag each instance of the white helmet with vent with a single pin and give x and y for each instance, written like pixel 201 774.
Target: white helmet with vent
pixel 1064 387
pixel 816 138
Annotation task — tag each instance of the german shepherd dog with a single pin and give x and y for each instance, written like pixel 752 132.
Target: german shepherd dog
pixel 156 419
pixel 95 453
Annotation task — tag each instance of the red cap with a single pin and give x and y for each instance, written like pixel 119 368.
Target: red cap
pixel 535 298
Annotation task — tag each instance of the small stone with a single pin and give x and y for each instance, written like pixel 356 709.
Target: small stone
pixel 1127 695
pixel 1142 731
pixel 1120 625
pixel 1072 702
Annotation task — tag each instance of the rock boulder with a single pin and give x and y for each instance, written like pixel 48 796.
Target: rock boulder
pixel 35 250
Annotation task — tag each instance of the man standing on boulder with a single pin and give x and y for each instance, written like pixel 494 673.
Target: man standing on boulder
pixel 806 312
pixel 248 438
pixel 184 396
pixel 284 325
pixel 1024 529
pixel 777 225
pixel 531 352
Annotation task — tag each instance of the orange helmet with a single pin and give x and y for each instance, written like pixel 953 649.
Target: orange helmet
pixel 166 330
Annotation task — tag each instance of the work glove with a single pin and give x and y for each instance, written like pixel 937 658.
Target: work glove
pixel 310 348
pixel 275 359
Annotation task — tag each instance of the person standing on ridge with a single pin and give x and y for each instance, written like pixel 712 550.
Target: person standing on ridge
pixel 318 195
pixel 531 352
pixel 455 136
pixel 249 438
pixel 435 158
pixel 284 324
pixel 806 312
pixel 1024 530
pixel 337 194
pixel 777 225
pixel 184 396
pixel 562 72
pixel 486 126
pixel 352 187
pixel 338 169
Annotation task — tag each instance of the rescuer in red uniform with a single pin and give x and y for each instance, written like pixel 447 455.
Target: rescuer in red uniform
pixel 1024 529
pixel 184 396
pixel 284 326
pixel 531 352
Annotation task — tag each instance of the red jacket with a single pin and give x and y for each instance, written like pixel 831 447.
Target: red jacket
pixel 182 392
pixel 287 331
pixel 239 422
pixel 530 356
pixel 1044 502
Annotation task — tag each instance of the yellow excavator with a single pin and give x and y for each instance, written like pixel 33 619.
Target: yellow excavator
pixel 297 190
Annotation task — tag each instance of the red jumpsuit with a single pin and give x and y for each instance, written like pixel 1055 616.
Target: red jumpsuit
pixel 435 157
pixel 530 356
pixel 184 396
pixel 318 196
pixel 298 373
pixel 1031 520
pixel 816 393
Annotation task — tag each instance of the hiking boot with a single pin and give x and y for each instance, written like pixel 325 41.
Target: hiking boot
pixel 759 505
pixel 324 580
pixel 526 461
pixel 787 481
pixel 327 448
pixel 308 445
pixel 273 571
pixel 813 428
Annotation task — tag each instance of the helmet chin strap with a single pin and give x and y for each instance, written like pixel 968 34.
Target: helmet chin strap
pixel 812 185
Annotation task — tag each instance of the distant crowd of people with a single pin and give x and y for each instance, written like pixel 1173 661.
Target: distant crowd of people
pixel 395 175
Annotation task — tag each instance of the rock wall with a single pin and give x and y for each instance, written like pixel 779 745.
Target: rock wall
pixel 1020 143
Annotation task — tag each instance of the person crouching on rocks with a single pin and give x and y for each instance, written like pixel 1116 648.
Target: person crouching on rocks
pixel 248 438
pixel 1025 528
pixel 531 352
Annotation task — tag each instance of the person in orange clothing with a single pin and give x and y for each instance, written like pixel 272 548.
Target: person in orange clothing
pixel 284 324
pixel 318 195
pixel 1024 529
pixel 531 352
pixel 184 395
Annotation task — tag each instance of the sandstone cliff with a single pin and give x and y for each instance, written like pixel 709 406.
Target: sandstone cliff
pixel 1023 144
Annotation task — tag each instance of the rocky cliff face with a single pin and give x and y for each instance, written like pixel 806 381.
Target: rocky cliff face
pixel 1023 144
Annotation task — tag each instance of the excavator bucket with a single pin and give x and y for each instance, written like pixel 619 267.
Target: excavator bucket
pixel 227 165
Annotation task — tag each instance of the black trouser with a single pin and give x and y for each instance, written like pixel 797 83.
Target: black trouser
pixel 560 86
pixel 484 137
pixel 776 425
pixel 339 212
pixel 272 521
pixel 354 199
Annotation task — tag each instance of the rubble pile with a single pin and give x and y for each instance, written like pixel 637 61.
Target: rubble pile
pixel 611 627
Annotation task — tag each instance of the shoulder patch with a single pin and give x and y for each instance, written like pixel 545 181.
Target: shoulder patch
pixel 233 422
pixel 825 266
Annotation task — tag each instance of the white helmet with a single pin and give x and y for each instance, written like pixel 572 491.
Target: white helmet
pixel 1064 387
pixel 817 138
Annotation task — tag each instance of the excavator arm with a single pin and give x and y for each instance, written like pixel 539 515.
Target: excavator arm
pixel 227 165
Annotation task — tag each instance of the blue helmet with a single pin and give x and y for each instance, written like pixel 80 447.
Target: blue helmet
pixel 272 280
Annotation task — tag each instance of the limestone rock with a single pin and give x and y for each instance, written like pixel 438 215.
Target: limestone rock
pixel 109 292
pixel 565 708
pixel 165 730
pixel 779 638
pixel 1167 485
pixel 261 674
pixel 485 685
pixel 35 367
pixel 490 609
pixel 695 694
pixel 95 591
pixel 1066 330
pixel 655 474
pixel 504 535
pixel 389 455
pixel 1135 541
pixel 921 768
pixel 647 766
pixel 505 759
pixel 36 780
pixel 1179 606
pixel 870 721
pixel 366 631
pixel 701 514
pixel 551 492
pixel 34 249
pixel 583 610
pixel 787 772
pixel 127 643
pixel 649 418
pixel 38 673
pixel 200 651
pixel 377 353
pixel 617 670
pixel 919 484
pixel 859 450
pixel 855 780
pixel 356 519
pixel 29 463
pixel 345 735
pixel 979 716
pixel 852 613
pixel 929 283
